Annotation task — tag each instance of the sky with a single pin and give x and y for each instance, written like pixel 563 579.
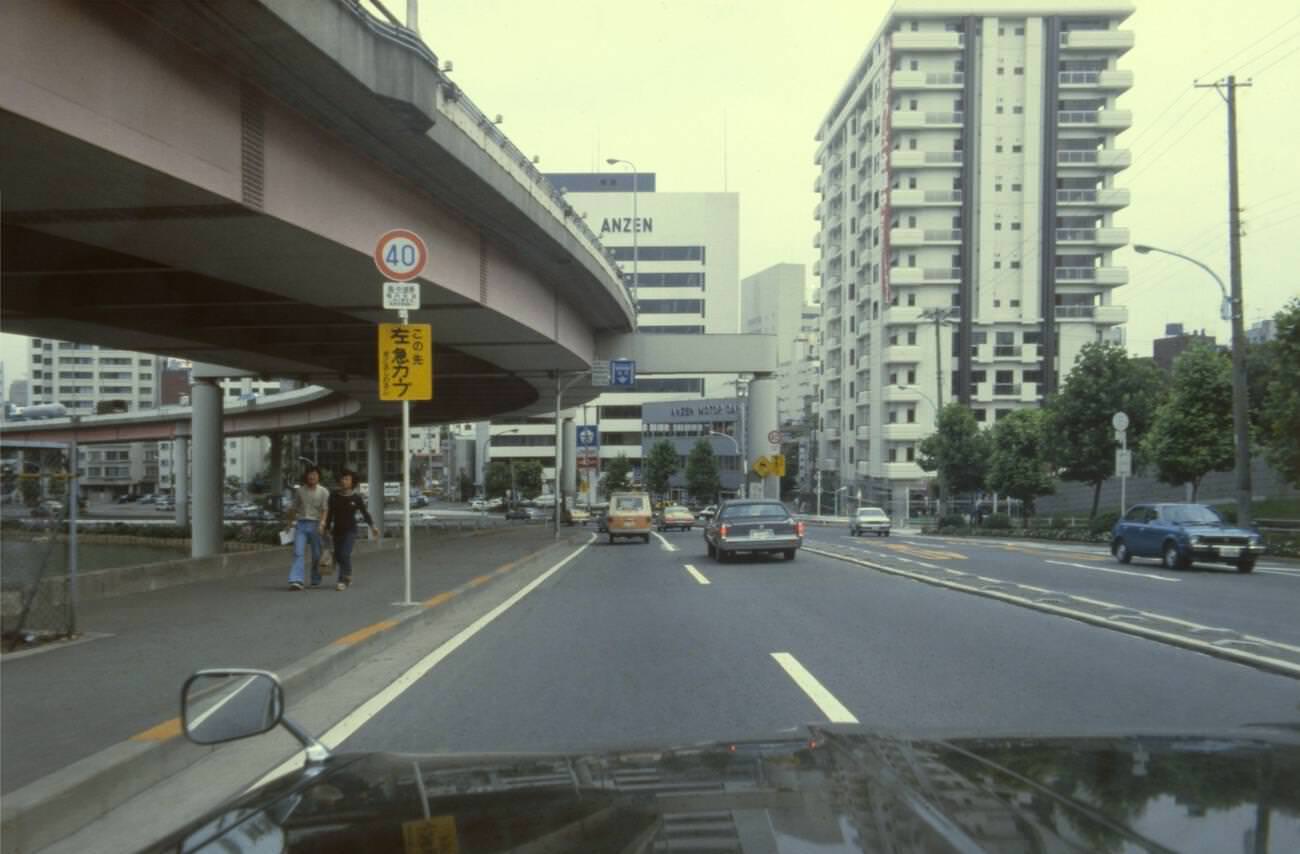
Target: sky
pixel 728 94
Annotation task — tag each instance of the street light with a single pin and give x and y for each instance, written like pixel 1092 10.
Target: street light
pixel 837 499
pixel 636 229
pixel 1232 309
pixel 1225 308
pixel 917 389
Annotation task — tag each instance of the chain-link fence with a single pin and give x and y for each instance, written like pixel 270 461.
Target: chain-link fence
pixel 35 604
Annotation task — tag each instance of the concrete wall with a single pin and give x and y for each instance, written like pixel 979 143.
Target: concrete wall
pixel 1215 488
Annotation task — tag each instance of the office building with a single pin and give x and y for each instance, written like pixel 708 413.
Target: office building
pixel 20 393
pixel 687 282
pixel 968 193
pixel 1262 330
pixel 1165 351
pixel 683 423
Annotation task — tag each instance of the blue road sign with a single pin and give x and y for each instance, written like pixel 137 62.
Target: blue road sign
pixel 587 436
pixel 622 372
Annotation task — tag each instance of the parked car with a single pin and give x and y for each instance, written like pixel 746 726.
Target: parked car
pixel 518 513
pixel 125 499
pixel 577 516
pixel 165 505
pixel 1181 534
pixel 755 526
pixel 478 504
pixel 536 513
pixel 676 517
pixel 629 516
pixel 871 520
pixel 149 498
pixel 419 501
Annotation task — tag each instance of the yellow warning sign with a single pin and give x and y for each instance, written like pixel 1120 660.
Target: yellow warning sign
pixel 405 361
pixel 436 835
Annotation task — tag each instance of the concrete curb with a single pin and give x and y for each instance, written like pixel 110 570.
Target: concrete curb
pixel 63 802
pixel 1260 662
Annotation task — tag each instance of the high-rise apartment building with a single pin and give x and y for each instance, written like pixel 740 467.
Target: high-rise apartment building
pixel 968 192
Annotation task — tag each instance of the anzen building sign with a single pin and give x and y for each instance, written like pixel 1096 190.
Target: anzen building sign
pixel 405 361
pixel 626 224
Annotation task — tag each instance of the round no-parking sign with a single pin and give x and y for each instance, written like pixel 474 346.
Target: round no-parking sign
pixel 400 255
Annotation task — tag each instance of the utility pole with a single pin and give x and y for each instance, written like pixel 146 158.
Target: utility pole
pixel 1240 417
pixel 937 315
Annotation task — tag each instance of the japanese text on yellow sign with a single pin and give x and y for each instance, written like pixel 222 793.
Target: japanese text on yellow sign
pixel 405 361
pixel 436 835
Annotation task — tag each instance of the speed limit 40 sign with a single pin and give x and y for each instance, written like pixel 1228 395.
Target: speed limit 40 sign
pixel 400 255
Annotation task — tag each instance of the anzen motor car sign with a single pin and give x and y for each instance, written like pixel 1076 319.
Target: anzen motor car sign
pixel 405 361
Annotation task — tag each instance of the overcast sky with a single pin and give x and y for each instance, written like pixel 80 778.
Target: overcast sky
pixel 662 83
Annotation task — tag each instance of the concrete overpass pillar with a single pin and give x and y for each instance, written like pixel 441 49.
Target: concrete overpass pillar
pixel 375 472
pixel 208 453
pixel 277 469
pixel 569 459
pixel 762 419
pixel 181 478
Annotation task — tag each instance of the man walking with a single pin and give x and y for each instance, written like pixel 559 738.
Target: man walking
pixel 310 505
pixel 341 522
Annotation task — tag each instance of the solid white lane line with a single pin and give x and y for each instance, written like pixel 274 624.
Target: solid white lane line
pixel 668 547
pixel 1035 589
pixel 359 716
pixel 1113 571
pixel 699 576
pixel 215 707
pixel 926 565
pixel 834 710
pixel 1096 602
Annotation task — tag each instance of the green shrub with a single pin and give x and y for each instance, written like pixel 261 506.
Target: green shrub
pixel 1102 523
pixel 952 520
pixel 998 521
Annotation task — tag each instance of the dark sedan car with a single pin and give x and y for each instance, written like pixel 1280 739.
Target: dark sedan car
pixel 1180 534
pixel 755 526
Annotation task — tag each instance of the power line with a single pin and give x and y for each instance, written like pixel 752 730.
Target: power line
pixel 1156 159
pixel 1278 60
pixel 1272 32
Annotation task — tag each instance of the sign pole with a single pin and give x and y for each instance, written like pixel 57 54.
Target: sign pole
pixel 406 486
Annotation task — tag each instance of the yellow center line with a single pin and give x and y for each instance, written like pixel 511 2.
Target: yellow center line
pixel 435 601
pixel 479 581
pixel 361 634
pixel 161 732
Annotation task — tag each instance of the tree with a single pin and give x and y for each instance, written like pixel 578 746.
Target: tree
pixel 1280 413
pixel 466 485
pixel 528 478
pixel 1104 380
pixel 233 485
pixel 1191 432
pixel 497 479
pixel 702 480
pixel 615 476
pixel 1018 464
pixel 659 466
pixel 957 450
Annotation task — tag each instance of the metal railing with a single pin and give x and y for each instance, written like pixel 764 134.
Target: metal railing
pixel 1001 350
pixel 1076 234
pixel 1076 310
pixel 943 118
pixel 942 195
pixel 1076 156
pixel 938 273
pixel 1078 117
pixel 944 78
pixel 1078 77
pixel 1076 195
pixel 943 157
pixel 1006 388
pixel 1076 274
pixel 942 234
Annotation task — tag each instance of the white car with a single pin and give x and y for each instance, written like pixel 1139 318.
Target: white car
pixel 871 520
pixel 478 504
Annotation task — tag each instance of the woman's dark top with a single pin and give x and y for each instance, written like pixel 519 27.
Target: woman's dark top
pixel 342 514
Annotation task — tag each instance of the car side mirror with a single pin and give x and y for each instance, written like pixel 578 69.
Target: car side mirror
pixel 226 705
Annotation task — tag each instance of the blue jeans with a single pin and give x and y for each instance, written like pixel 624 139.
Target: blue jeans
pixel 343 553
pixel 305 531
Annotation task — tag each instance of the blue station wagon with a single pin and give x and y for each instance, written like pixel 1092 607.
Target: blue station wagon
pixel 1179 534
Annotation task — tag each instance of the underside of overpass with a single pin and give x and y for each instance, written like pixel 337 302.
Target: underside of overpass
pixel 206 180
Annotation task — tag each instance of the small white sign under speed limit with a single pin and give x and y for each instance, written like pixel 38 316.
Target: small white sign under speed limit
pixel 402 295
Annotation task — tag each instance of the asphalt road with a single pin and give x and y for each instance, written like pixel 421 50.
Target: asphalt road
pixel 650 644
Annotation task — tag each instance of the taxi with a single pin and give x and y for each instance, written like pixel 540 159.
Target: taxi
pixel 629 516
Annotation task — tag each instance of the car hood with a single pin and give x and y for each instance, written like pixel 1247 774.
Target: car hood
pixel 815 789
pixel 1204 530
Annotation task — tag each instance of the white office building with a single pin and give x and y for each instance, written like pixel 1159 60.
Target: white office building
pixel 969 188
pixel 687 282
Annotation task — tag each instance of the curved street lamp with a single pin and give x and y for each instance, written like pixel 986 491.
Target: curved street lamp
pixel 1225 309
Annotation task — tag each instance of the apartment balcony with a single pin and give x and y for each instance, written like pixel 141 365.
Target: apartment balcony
pixel 1111 315
pixel 924 275
pixel 900 314
pixel 920 119
pixel 1002 352
pixel 863 434
pixel 904 471
pixel 863 468
pixel 830 434
pixel 927 80
pixel 832 312
pixel 1103 158
pixel 1006 389
pixel 1109 276
pixel 863 398
pixel 1120 41
pixel 929 41
pixel 1110 237
pixel 1104 197
pixel 910 159
pixel 1076 312
pixel 1104 119
pixel 817 211
pixel 817 183
pixel 924 237
pixel 902 354
pixel 902 394
pixel 833 343
pixel 1111 79
pixel 925 198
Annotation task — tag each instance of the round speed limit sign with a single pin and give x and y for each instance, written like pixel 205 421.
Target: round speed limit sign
pixel 400 255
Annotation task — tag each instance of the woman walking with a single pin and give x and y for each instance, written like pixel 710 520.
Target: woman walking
pixel 310 503
pixel 341 522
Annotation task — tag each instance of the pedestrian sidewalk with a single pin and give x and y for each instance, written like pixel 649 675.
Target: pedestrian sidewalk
pixel 122 681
